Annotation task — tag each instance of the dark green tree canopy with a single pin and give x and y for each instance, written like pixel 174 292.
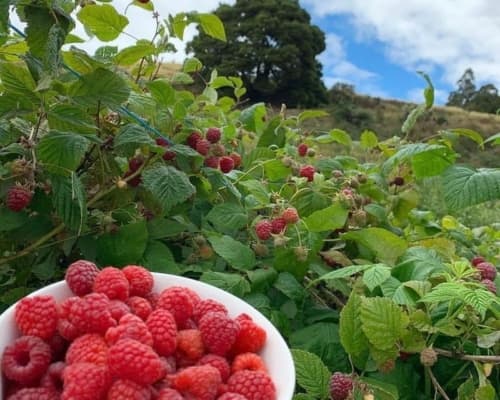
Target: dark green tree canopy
pixel 272 46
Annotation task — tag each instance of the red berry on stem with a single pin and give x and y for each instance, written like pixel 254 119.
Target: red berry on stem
pixel 226 164
pixel 263 229
pixel 213 135
pixel 487 270
pixel 193 139
pixel 340 386
pixel 290 215
pixel 203 146
pixel 18 198
pixel 236 158
pixel 477 260
pixel 212 162
pixel 278 225
pixel 302 149
pixel 490 285
pixel 307 171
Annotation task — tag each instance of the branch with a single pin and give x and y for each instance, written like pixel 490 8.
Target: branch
pixel 468 357
pixel 436 384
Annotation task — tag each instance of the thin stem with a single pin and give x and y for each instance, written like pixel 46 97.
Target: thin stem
pixel 436 384
pixel 468 357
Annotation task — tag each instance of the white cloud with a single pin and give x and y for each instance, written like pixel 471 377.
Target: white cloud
pixel 450 34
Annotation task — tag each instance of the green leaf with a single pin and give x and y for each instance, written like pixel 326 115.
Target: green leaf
pixel 68 197
pixel 418 263
pixel 234 252
pixel 4 18
pixel 169 185
pixel 130 55
pixel 221 81
pixel 312 375
pixel 130 137
pixel 68 118
pixel 445 292
pixel 464 187
pixel 227 217
pixel 310 114
pixel 11 220
pixel 191 65
pixel 17 80
pixel 275 170
pixel 232 283
pixel 212 26
pixel 256 189
pixel 329 218
pixel 485 392
pixel 495 139
pixel 469 133
pixel 386 245
pixel 103 21
pixel 375 276
pixel 345 272
pixel 162 92
pixel 352 337
pixel 383 322
pixel 412 118
pixel 428 91
pixel 289 286
pixel 252 116
pixel 158 258
pixel 466 390
pixel 489 340
pixel 62 152
pixel 340 136
pixel 368 139
pixel 126 246
pixel 381 390
pixel 302 396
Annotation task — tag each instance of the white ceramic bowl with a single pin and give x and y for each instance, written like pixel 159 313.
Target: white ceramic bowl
pixel 276 354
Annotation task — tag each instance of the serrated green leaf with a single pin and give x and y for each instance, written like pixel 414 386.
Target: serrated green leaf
pixel 352 337
pixel 162 92
pixel 289 286
pixel 312 375
pixel 212 26
pixel 418 263
pixel 11 220
pixel 368 139
pixel 252 118
pixel 329 218
pixel 310 114
pixel 130 55
pixel 466 390
pixel 68 118
pixel 191 65
pixel 158 258
pixel 412 118
pixel 232 283
pixel 302 396
pixel 256 189
pixel 169 185
pixel 17 80
pixel 383 322
pixel 227 217
pixel 469 133
pixel 68 197
pixel 275 170
pixel 130 137
pixel 376 275
pixel 428 91
pixel 340 136
pixel 103 21
pixel 234 252
pixel 445 292
pixel 344 272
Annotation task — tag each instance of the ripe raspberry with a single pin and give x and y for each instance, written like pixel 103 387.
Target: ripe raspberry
pixel 135 163
pixel 226 164
pixel 37 316
pixel 123 389
pixel 65 326
pixel 218 149
pixel 178 302
pixel 18 198
pixel 251 337
pixel 490 285
pixel 113 283
pixel 248 361
pixel 263 229
pixel 278 225
pixel 213 135
pixel 118 309
pixel 169 394
pixel 85 381
pixel 307 171
pixel 26 360
pixel 195 298
pixel 404 356
pixel 203 146
pixel 152 298
pixel 130 359
pixel 193 139
pixel 231 396
pixel 135 181
pixel 88 348
pixel 190 344
pixel 38 393
pixel 236 158
pixel 477 260
pixel 80 277
pixel 140 280
pixel 206 306
pixel 53 378
pixel 219 332
pixel 340 386
pixel 212 162
pixel 290 215
pixel 130 327
pixel 428 357
pixel 161 324
pixel 58 346
pixel 487 270
pixel 199 382
pixel 302 149
pixel 91 314
pixel 160 141
pixel 254 385
pixel 140 307
pixel 218 362
pixel 398 181
pixel 169 155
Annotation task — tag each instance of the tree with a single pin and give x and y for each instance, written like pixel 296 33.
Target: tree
pixel 272 46
pixel 466 90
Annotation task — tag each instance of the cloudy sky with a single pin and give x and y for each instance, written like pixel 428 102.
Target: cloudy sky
pixel 377 45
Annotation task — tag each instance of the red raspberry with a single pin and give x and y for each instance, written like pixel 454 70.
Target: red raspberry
pixel 113 283
pixel 206 306
pixel 263 229
pixel 66 328
pixel 190 344
pixel 198 382
pixel 169 394
pixel 487 270
pixel 251 337
pixel 236 158
pixel 169 155
pixel 307 171
pixel 213 135
pixel 477 260
pixel 278 225
pixel 26 360
pixel 88 348
pixel 58 346
pixel 80 277
pixel 178 302
pixel 212 162
pixel 218 149
pixel 219 332
pixel 226 164
pixel 130 327
pixel 195 299
pixel 160 141
pixel 203 146
pixel 140 280
pixel 38 393
pixel 152 298
pixel 85 381
pixel 231 396
pixel 161 324
pixel 123 389
pixel 248 361
pixel 254 385
pixel 340 386
pixel 218 362
pixel 18 198
pixel 118 309
pixel 398 181
pixel 135 181
pixel 53 378
pixel 135 163
pixel 130 359
pixel 302 149
pixel 403 355
pixel 91 314
pixel 37 316
pixel 290 215
pixel 140 307
pixel 193 139
pixel 490 285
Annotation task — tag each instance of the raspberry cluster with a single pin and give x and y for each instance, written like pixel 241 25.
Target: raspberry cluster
pixel 117 339
pixel 487 272
pixel 265 228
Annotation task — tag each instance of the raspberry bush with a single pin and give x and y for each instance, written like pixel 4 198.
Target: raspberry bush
pixel 103 160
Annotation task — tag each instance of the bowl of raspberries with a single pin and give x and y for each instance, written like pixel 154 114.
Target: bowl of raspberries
pixel 129 334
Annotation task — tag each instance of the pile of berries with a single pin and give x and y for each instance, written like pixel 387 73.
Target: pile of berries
pixel 265 228
pixel 487 272
pixel 116 339
pixel 215 153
